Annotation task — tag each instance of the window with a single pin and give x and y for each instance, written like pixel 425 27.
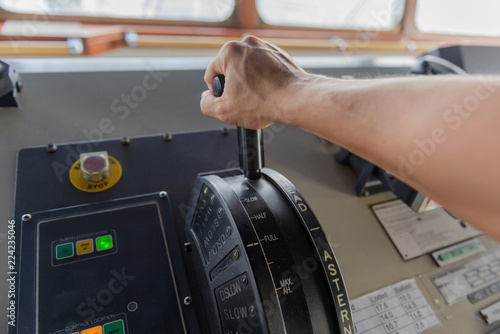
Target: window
pixel 190 10
pixel 340 14
pixel 460 17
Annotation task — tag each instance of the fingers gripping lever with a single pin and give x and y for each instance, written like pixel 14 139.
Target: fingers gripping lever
pixel 250 143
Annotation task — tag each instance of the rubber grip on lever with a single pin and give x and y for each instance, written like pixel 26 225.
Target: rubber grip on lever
pixel 218 85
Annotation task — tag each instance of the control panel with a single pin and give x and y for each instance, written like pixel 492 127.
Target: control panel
pixel 91 272
pixel 120 240
pixel 102 234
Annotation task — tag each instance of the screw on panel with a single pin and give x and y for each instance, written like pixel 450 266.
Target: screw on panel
pixel 411 46
pixel 225 131
pixel 187 301
pixel 75 46
pixel 167 137
pixel 51 148
pixel 26 217
pixel 340 44
pixel 131 38
pixel 132 306
pixel 125 140
pixel 163 194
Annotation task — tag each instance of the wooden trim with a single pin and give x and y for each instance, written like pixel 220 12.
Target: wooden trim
pixel 159 41
pixel 454 39
pixel 244 20
pixel 31 38
pixel 95 39
pixel 86 30
pixel 306 33
pixel 97 43
pixel 32 48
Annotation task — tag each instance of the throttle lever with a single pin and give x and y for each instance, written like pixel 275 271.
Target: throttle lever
pixel 250 142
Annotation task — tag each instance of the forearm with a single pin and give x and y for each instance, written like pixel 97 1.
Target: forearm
pixel 438 134
pixel 441 135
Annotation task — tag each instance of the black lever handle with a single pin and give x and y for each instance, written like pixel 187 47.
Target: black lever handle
pixel 250 142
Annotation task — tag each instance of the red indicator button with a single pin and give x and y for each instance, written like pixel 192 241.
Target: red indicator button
pixel 94 166
pixel 94 163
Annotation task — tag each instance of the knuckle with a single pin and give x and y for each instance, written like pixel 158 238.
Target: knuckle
pixel 232 47
pixel 251 40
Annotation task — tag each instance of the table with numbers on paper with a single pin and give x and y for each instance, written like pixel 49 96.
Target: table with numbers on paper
pixel 397 309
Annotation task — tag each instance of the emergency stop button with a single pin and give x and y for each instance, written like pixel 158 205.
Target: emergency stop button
pixel 95 166
pixel 95 172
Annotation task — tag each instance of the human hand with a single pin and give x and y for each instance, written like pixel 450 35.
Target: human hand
pixel 260 81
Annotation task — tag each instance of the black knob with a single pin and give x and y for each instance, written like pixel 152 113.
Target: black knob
pixel 218 85
pixel 250 142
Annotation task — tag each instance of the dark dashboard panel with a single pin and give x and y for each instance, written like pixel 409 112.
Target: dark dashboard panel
pixel 116 274
pixel 63 227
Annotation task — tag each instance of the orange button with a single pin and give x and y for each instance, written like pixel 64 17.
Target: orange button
pixel 84 246
pixel 93 330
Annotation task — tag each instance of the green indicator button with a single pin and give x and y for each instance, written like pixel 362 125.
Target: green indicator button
pixel 103 243
pixel 115 327
pixel 64 251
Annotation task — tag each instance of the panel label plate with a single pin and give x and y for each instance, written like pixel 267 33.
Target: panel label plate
pixel 415 234
pixel 458 282
pixel 399 308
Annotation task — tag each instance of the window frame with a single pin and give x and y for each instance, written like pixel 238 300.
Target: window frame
pixel 6 14
pixel 411 31
pixel 245 20
pixel 244 16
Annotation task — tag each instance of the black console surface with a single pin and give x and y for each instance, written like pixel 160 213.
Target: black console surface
pixel 113 259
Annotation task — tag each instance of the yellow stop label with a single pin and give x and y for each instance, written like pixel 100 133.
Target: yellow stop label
pixel 77 179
